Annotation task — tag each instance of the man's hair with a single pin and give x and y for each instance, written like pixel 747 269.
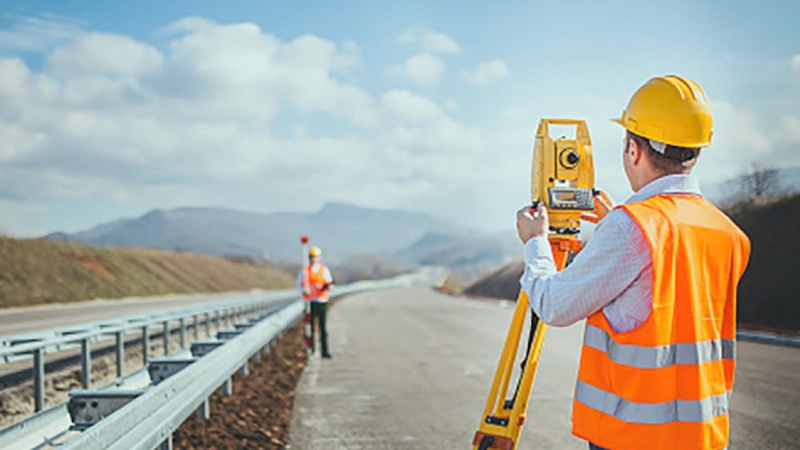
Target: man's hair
pixel 673 160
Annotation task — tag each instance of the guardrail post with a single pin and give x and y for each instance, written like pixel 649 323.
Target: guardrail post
pixel 245 370
pixel 38 379
pixel 196 328
pixel 145 346
pixel 167 444
pixel 182 323
pixel 227 386
pixel 120 351
pixel 86 363
pixel 204 410
pixel 208 325
pixel 216 320
pixel 165 337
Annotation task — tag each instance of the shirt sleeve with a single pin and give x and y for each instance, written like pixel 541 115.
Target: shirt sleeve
pixel 327 274
pixel 608 264
pixel 300 280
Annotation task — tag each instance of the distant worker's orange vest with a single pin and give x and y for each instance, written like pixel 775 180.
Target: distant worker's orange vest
pixel 315 280
pixel 666 384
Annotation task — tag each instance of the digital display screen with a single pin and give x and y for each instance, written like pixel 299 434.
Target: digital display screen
pixel 564 196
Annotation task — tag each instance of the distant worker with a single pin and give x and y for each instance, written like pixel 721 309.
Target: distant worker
pixel 314 282
pixel 657 283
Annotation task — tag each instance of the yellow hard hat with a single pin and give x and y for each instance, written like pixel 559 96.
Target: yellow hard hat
pixel 670 109
pixel 314 251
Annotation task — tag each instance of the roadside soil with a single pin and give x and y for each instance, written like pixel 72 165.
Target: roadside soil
pixel 258 414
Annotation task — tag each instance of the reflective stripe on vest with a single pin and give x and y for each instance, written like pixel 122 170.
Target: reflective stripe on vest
pixel 652 413
pixel 666 384
pixel 659 356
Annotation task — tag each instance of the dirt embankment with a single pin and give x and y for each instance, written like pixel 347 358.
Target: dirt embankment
pixel 259 412
pixel 502 283
pixel 36 271
pixel 769 293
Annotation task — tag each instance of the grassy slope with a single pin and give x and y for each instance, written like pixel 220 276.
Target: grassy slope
pixel 769 293
pixel 34 271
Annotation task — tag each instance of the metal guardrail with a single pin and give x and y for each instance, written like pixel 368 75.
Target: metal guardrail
pixel 19 346
pixel 765 338
pixel 37 345
pixel 148 421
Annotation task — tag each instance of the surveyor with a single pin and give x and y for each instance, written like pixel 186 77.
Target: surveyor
pixel 315 281
pixel 656 283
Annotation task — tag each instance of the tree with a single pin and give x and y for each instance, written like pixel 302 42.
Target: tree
pixel 761 182
pixel 755 186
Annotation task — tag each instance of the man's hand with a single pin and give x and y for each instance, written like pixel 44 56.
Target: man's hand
pixel 532 222
pixel 602 205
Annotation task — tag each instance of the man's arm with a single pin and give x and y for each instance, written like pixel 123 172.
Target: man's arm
pixel 612 260
pixel 326 273
pixel 301 282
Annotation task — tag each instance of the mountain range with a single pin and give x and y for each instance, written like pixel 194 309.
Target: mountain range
pixel 342 230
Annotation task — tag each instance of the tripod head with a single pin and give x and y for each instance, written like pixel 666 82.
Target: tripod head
pixel 562 175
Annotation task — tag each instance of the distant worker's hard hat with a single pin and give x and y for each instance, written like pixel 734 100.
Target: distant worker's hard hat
pixel 315 251
pixel 671 109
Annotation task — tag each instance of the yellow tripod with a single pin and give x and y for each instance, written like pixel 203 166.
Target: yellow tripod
pixel 562 176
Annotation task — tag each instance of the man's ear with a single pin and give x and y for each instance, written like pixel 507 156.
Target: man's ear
pixel 636 152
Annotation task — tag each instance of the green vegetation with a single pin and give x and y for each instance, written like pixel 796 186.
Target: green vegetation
pixel 36 271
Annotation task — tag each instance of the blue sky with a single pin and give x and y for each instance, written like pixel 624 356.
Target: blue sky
pixel 112 109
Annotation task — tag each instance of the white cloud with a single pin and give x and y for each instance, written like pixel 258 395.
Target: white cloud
pixel 422 69
pixel 740 139
pixel 794 63
pixel 736 130
pixel 430 41
pixel 188 24
pixel 39 33
pixel 487 72
pixel 240 70
pixel 407 107
pixel 790 129
pixel 225 115
pixel 14 77
pixel 200 111
pixel 104 54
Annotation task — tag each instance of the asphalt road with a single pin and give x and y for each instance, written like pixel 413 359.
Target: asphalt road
pixel 412 368
pixel 36 318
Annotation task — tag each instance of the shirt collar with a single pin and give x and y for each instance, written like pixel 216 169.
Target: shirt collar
pixel 668 184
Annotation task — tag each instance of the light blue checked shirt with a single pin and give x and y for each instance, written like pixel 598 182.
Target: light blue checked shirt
pixel 613 272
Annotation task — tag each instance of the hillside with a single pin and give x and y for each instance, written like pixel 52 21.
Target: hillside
pixel 468 254
pixel 341 229
pixel 769 293
pixel 502 283
pixel 35 271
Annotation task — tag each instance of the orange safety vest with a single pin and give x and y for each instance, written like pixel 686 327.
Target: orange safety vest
pixel 666 384
pixel 315 281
